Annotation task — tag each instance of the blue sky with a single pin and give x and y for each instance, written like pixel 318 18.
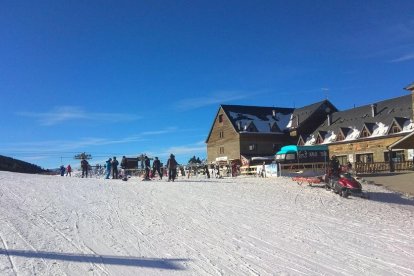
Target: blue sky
pixel 131 77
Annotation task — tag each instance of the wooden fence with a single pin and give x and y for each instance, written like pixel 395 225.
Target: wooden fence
pixel 383 167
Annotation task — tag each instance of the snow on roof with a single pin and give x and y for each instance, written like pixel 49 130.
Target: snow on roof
pixel 408 126
pixel 352 134
pixel 263 126
pixel 329 137
pixel 290 124
pixel 379 129
pixel 310 140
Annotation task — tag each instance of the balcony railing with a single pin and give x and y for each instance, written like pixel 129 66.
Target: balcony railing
pixel 383 167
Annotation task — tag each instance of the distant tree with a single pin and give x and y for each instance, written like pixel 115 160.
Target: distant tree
pixel 14 165
pixel 194 160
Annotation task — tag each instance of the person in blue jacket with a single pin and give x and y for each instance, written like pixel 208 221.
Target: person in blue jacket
pixel 62 170
pixel 108 168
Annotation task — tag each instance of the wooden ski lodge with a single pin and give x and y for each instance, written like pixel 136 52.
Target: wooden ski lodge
pixel 374 137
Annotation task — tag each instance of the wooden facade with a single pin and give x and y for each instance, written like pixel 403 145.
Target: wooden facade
pixel 223 141
pixel 365 134
pixel 248 131
pixel 367 150
pixel 361 134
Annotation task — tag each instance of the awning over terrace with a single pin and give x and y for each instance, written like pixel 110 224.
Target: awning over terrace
pixel 407 142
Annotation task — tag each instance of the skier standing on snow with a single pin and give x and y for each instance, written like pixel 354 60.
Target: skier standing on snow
pixel 69 170
pixel 124 167
pixel 156 166
pixel 172 168
pixel 147 164
pixel 206 170
pixel 115 164
pixel 108 168
pixel 84 166
pixel 62 170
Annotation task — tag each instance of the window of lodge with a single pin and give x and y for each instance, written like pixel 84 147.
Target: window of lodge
pixel 364 133
pixel 319 140
pixel 343 159
pixel 365 158
pixel 397 156
pixel 252 147
pixel 340 137
pixel 394 129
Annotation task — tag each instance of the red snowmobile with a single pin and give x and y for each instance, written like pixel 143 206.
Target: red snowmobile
pixel 344 185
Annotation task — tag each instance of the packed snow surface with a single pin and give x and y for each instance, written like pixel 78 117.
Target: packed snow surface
pixel 52 225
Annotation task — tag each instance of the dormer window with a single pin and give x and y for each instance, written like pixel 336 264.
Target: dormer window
pixel 319 140
pixel 364 133
pixel 395 129
pixel 340 136
pixel 366 130
pixel 301 142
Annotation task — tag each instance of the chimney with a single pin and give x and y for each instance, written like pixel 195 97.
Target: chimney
pixel 411 89
pixel 274 113
pixel 329 119
pixel 373 110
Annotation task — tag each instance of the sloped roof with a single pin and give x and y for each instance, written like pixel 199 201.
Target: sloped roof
pixel 242 116
pixel 356 118
pixel 410 87
pixel 406 142
pixel 303 113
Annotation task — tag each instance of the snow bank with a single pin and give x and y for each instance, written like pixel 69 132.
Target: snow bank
pixel 52 225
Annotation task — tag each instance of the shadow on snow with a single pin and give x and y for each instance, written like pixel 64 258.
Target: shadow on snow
pixel 171 264
pixel 394 198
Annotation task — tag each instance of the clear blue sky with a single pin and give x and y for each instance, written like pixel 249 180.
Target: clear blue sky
pixel 131 77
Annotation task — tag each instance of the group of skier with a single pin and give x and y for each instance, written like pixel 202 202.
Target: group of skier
pixel 68 170
pixel 111 166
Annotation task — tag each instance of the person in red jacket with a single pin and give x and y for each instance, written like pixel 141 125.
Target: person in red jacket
pixel 69 170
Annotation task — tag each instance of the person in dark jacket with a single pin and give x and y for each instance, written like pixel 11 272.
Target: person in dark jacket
pixel 147 164
pixel 172 168
pixel 62 170
pixel 115 164
pixel 124 167
pixel 84 166
pixel 156 167
pixel 335 166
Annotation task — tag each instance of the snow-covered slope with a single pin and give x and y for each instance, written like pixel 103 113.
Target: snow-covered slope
pixel 53 225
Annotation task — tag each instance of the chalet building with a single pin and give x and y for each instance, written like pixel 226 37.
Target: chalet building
pixel 245 132
pixel 369 133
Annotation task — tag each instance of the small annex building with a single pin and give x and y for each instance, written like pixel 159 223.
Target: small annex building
pixel 245 132
pixel 379 132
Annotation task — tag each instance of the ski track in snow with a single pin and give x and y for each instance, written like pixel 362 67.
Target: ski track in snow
pixel 52 225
